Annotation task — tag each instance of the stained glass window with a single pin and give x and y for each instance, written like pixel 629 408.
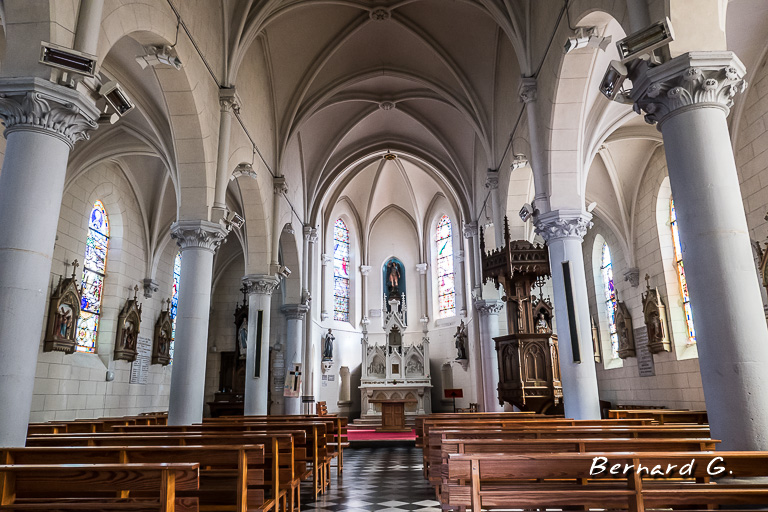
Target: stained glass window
pixel 446 290
pixel 175 297
pixel 611 305
pixel 681 273
pixel 94 269
pixel 341 271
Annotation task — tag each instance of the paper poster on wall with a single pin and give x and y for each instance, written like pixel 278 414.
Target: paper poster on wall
pixel 293 382
pixel 140 366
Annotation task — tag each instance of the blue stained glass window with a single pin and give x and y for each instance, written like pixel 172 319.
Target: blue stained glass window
pixel 94 270
pixel 681 274
pixel 175 297
pixel 340 271
pixel 446 290
pixel 611 304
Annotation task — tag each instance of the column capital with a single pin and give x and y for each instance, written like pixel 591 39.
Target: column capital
pixel 489 307
pixel 294 311
pixel 492 179
pixel 470 229
pixel 150 287
pixel 561 224
pixel 421 268
pixel 310 234
pixel 365 269
pixel 632 276
pixel 229 101
pixel 692 80
pixel 199 234
pixel 326 259
pixel 34 104
pixel 279 186
pixel 260 284
pixel 527 90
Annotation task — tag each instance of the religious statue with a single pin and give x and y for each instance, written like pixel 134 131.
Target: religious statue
pixel 161 347
pixel 242 338
pixel 542 326
pixel 63 312
pixel 393 277
pixel 460 339
pixel 328 346
pixel 64 320
pixel 129 335
pixel 129 326
pixel 655 316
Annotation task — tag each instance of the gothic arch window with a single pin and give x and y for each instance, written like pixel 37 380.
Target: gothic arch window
pixel 446 289
pixel 678 264
pixel 175 297
pixel 609 294
pixel 94 271
pixel 340 271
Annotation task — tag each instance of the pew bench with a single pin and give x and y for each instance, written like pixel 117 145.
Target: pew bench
pixel 102 487
pixel 544 481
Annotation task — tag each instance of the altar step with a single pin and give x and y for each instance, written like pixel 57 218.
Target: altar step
pixel 368 423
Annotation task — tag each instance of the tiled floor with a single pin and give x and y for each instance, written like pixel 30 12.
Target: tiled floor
pixel 386 479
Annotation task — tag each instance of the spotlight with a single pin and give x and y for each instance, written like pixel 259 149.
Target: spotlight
pixel 116 97
pixel 645 41
pixel 67 59
pixel 233 220
pixel 614 77
pixel 157 55
pixel 284 271
pixel 526 212
pixel 519 161
pixel 243 169
pixel 586 38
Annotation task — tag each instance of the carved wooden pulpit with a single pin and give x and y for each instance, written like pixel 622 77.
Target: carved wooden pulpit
pixel 528 357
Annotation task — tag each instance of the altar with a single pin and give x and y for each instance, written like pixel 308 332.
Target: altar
pixel 395 370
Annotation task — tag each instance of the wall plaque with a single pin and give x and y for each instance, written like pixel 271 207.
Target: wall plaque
pixel 645 364
pixel 140 365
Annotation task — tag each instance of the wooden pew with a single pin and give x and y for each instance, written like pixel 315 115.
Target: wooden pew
pixel 663 416
pixel 226 472
pixel 451 416
pixel 283 476
pixel 540 481
pixel 103 487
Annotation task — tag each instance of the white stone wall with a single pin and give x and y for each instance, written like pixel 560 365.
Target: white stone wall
pixel 75 386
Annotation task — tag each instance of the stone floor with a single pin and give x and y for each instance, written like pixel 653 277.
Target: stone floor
pixel 381 479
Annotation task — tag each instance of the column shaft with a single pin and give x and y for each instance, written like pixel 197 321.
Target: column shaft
pixel 488 313
pixel 259 289
pixel 228 103
pixel 198 241
pixel 88 26
pixel 294 348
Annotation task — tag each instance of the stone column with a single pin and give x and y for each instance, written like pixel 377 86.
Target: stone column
pixel 294 348
pixel 421 268
pixel 43 121
pixel 492 184
pixel 198 241
pixel 488 316
pixel 88 26
pixel 364 271
pixel 279 187
pixel 311 235
pixel 259 288
pixel 229 104
pixel 690 97
pixel 528 95
pixel 326 261
pixel 470 233
pixel 564 232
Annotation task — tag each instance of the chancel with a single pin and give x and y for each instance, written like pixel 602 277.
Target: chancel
pixel 481 229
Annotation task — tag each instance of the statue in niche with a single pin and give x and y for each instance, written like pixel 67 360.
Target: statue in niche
pixel 242 338
pixel 542 326
pixel 328 346
pixel 63 312
pixel 128 328
pixel 129 335
pixel 161 348
pixel 393 278
pixel 460 339
pixel 64 320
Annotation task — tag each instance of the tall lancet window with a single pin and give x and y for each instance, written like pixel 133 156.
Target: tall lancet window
pixel 175 297
pixel 446 290
pixel 340 271
pixel 611 305
pixel 94 270
pixel 681 273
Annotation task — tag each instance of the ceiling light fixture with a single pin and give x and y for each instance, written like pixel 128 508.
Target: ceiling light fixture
pixel 643 42
pixel 519 161
pixel 159 55
pixel 586 37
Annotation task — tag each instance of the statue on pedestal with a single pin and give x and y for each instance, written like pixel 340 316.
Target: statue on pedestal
pixel 461 341
pixel 328 346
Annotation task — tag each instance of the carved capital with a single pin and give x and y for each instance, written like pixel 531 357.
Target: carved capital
pixel 150 287
pixel 692 80
pixel 365 269
pixel 527 90
pixel 33 104
pixel 562 224
pixel 470 229
pixel 198 234
pixel 279 186
pixel 310 234
pixel 294 311
pixel 492 180
pixel 326 259
pixel 489 307
pixel 228 100
pixel 421 268
pixel 260 284
pixel 632 276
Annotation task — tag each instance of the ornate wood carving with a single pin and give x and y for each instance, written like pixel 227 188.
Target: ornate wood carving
pixel 161 347
pixel 624 331
pixel 655 316
pixel 63 312
pixel 128 327
pixel 529 365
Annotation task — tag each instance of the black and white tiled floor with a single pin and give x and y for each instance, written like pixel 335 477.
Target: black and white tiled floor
pixel 382 479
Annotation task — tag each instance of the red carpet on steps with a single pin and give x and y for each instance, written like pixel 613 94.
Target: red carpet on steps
pixel 372 435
